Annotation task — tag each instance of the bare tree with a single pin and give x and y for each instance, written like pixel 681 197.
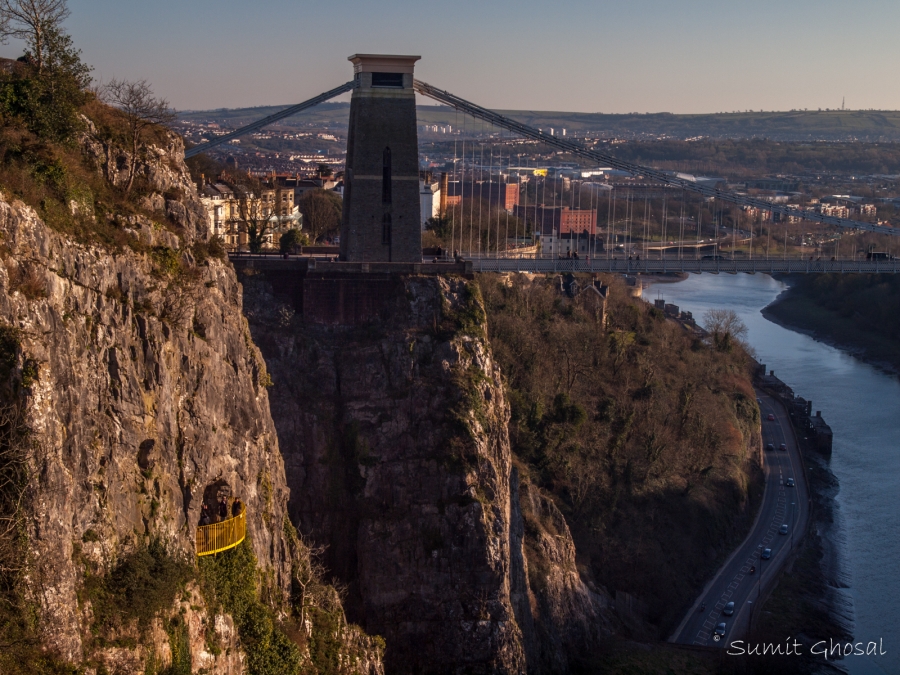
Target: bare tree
pixel 321 213
pixel 254 213
pixel 30 20
pixel 141 109
pixel 16 453
pixel 725 327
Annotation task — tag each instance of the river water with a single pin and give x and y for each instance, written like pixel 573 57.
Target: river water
pixel 862 406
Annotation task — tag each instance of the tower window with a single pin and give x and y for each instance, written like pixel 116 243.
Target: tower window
pixel 386 176
pixel 392 80
pixel 386 229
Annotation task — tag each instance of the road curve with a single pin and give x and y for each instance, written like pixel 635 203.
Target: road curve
pixel 781 504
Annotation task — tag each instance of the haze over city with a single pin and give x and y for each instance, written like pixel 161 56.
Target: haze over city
pixel 644 56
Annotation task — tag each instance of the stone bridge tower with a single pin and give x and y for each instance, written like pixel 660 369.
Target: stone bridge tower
pixel 381 219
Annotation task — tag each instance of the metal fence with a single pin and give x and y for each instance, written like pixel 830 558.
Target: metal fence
pixel 219 537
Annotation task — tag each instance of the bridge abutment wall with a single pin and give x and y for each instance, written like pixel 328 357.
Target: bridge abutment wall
pixel 340 294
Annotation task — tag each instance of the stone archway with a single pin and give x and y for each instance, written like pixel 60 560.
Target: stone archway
pixel 213 495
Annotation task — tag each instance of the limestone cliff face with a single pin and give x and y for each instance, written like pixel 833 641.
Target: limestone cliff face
pixel 148 392
pixel 563 616
pixel 160 171
pixel 397 455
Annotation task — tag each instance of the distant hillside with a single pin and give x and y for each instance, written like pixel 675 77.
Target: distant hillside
pixel 330 114
pixel 801 125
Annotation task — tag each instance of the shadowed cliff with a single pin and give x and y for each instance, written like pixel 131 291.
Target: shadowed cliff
pixel 395 438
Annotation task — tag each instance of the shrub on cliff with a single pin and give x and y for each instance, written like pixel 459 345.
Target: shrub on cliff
pixel 47 90
pixel 229 581
pixel 141 586
pixel 61 147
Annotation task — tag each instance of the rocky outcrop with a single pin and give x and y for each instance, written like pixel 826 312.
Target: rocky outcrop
pixel 395 440
pixel 160 173
pixel 563 615
pixel 146 392
pixel 209 641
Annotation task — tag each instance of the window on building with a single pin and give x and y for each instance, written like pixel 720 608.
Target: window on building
pixel 386 229
pixel 393 80
pixel 386 176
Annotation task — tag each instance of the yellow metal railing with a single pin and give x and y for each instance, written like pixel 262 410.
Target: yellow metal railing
pixel 219 537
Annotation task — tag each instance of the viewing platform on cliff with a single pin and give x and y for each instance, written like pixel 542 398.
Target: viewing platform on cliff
pixel 221 536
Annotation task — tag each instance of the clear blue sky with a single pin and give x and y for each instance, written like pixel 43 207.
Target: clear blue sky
pixel 586 55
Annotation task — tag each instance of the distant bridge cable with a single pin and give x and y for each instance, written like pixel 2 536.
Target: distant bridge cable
pixel 271 119
pixel 567 145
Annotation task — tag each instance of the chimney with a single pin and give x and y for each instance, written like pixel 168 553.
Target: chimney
pixel 445 187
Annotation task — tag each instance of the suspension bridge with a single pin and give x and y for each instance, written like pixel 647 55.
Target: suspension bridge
pixel 368 83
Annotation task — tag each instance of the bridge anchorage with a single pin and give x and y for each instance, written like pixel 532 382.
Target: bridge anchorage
pixel 380 226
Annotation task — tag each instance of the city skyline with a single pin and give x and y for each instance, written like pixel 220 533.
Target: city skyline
pixel 575 56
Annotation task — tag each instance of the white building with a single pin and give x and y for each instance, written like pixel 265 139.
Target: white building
pixel 429 200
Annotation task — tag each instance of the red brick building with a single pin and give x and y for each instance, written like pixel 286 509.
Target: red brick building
pixel 549 220
pixel 505 195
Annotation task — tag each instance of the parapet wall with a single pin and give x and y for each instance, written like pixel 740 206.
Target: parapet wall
pixel 800 410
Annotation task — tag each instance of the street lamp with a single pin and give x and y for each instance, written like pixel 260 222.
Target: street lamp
pixel 759 580
pixel 792 526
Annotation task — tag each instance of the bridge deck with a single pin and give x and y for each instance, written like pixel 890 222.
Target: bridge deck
pixel 550 265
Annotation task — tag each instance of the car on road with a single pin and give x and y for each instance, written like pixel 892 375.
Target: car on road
pixel 771 417
pixel 783 529
pixel 766 554
pixel 720 629
pixel 789 482
pixel 729 609
pixel 759 400
pixel 783 446
pixel 770 446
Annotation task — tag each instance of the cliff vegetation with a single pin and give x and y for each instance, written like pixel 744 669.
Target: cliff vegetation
pixel 641 433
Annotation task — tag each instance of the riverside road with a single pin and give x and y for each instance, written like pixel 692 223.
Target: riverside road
pixel 781 504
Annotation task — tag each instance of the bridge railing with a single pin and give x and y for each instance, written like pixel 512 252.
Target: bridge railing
pixel 218 537
pixel 725 266
pixel 598 264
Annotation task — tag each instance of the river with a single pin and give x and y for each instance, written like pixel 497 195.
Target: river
pixel 862 405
